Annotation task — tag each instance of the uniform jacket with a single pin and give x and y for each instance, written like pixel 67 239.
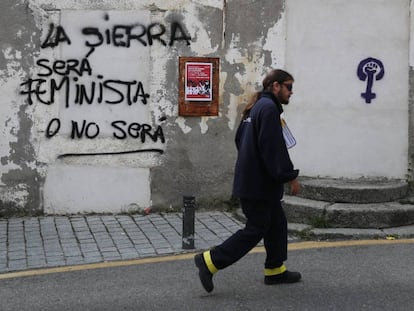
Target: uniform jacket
pixel 263 164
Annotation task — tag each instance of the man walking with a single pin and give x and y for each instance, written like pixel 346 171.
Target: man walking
pixel 263 167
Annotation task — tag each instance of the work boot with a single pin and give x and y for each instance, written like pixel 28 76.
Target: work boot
pixel 285 277
pixel 206 277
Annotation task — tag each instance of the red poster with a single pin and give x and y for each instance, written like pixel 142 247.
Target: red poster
pixel 198 81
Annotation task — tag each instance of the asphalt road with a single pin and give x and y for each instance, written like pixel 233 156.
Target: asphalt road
pixel 364 277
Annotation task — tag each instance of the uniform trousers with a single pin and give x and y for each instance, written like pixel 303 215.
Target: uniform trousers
pixel 265 220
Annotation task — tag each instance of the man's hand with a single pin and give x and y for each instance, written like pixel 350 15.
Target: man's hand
pixel 294 187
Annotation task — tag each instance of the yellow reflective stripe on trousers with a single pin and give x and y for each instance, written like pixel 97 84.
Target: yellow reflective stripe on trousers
pixel 209 262
pixel 275 271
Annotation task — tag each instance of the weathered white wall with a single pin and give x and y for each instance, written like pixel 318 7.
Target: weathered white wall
pixel 338 134
pixel 410 175
pixel 87 122
pixel 107 147
pixel 45 166
pixel 79 189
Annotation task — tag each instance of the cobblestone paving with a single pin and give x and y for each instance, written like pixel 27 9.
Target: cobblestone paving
pixel 52 241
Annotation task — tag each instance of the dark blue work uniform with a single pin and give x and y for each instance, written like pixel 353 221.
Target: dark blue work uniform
pixel 263 166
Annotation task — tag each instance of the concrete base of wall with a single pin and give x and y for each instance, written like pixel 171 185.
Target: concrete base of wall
pixel 71 189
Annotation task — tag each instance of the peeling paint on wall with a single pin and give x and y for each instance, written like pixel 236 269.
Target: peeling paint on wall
pixel 20 173
pixel 275 43
pixel 50 148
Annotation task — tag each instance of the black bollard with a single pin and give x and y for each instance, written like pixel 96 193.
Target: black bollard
pixel 188 222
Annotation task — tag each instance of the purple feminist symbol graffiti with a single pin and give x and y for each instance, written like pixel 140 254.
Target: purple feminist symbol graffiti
pixel 368 69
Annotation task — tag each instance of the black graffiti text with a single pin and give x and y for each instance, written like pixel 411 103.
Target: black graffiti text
pixel 89 129
pixel 124 130
pixel 122 35
pixel 52 128
pixel 64 67
pixel 121 130
pixel 80 92
pixel 55 36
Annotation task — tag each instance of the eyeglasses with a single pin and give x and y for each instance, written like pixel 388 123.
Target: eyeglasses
pixel 288 86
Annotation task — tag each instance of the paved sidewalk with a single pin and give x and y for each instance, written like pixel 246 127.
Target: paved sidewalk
pixel 52 241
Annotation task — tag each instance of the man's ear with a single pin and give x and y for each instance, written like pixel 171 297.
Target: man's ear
pixel 276 87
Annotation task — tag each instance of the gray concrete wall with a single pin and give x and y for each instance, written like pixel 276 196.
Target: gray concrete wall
pixel 63 174
pixel 202 163
pixel 21 183
pixel 410 173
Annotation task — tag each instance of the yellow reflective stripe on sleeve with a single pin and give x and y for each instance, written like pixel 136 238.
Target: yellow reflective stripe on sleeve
pixel 275 271
pixel 209 262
